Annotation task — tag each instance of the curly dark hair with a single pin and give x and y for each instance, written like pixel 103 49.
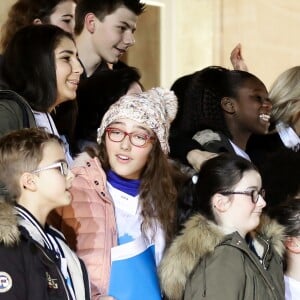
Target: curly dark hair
pixel 199 96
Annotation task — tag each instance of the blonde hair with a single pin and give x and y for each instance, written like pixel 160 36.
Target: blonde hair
pixel 285 96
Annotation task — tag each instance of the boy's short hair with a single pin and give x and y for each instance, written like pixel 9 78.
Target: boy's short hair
pixel 20 151
pixel 102 8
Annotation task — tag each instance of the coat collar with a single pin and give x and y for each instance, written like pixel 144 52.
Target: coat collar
pixel 9 232
pixel 198 239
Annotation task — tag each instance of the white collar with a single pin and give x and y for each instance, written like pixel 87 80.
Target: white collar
pixel 288 136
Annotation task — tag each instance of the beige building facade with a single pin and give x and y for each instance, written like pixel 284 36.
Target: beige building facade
pixel 177 37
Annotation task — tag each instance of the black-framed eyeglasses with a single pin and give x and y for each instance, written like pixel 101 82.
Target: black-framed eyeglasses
pixel 254 194
pixel 137 139
pixel 62 166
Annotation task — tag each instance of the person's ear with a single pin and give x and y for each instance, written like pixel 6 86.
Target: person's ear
pixel 220 202
pixel 37 21
pixel 27 181
pixel 89 22
pixel 292 244
pixel 228 105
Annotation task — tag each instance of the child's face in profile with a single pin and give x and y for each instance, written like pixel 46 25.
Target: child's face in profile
pixel 114 34
pixel 242 211
pixel 125 158
pixel 53 181
pixel 68 70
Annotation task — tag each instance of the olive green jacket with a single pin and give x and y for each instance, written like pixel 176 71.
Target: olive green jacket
pixel 204 263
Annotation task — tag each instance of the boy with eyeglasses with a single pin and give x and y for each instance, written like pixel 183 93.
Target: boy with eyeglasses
pixel 35 261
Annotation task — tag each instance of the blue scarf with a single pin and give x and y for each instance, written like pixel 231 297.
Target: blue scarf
pixel 128 186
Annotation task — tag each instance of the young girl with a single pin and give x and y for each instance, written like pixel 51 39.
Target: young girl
pixel 226 250
pixel 35 261
pixel 40 64
pixel 124 200
pixel 220 110
pixel 28 12
pixel 285 119
pixel 287 214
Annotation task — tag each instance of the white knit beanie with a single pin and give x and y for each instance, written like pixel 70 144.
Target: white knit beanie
pixel 156 108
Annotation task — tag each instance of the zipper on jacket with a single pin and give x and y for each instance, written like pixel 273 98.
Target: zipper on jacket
pixel 59 272
pixel 265 252
pixel 260 265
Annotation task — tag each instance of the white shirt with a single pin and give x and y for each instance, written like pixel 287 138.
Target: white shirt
pixel 129 220
pixel 45 121
pixel 292 288
pixel 240 152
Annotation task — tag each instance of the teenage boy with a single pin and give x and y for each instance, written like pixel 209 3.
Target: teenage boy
pixel 104 31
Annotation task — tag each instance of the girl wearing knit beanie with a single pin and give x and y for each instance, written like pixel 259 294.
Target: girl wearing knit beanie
pixel 124 200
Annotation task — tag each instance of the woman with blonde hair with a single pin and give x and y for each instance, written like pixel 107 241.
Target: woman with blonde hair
pixel 285 95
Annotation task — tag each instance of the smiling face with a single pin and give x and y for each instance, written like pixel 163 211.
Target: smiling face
pixel 252 107
pixel 114 34
pixel 240 213
pixel 68 70
pixel 125 159
pixel 63 15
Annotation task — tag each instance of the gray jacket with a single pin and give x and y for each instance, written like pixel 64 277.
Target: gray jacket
pixel 15 112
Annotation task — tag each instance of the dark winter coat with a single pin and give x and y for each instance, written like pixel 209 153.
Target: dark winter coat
pixel 30 271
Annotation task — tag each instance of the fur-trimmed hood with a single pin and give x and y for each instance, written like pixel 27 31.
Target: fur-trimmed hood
pixel 81 159
pixel 199 238
pixel 9 232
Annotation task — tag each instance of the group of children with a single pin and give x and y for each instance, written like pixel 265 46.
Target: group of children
pixel 141 227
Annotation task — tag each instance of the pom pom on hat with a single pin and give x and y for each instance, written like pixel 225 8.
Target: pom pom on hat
pixel 156 108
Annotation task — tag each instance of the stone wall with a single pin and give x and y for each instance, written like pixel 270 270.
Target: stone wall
pixel 182 36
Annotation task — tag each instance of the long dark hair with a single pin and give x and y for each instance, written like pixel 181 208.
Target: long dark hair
pixel 29 66
pixel 217 174
pixel 160 182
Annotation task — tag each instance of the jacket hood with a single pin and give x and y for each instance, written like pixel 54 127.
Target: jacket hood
pixel 81 159
pixel 9 232
pixel 188 248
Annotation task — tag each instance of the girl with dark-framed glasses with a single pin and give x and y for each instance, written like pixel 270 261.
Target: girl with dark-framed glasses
pixel 227 249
